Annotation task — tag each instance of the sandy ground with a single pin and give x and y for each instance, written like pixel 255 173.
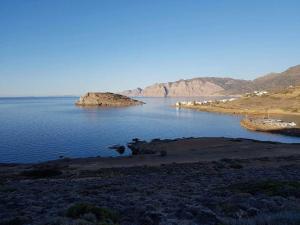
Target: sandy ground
pixel 186 150
pixel 184 181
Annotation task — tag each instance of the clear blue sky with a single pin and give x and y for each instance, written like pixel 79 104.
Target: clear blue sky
pixel 56 47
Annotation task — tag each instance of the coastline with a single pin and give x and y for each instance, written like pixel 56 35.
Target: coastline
pixel 236 111
pixel 198 181
pixel 246 123
pixel 169 151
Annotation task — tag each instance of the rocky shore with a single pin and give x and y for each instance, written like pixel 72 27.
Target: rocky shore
pixel 225 183
pixel 106 100
pixel 271 125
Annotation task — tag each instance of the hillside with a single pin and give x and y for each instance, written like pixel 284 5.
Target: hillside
pixel 275 81
pixel 286 101
pixel 214 86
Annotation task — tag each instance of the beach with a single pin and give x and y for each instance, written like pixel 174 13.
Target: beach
pixel 183 181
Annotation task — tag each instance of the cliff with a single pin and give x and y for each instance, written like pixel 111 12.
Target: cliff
pixel 106 100
pixel 214 86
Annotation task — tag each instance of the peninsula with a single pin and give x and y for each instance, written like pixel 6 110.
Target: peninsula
pixel 106 99
pixel 283 102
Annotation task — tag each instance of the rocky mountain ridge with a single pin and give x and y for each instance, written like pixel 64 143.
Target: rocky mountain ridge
pixel 215 86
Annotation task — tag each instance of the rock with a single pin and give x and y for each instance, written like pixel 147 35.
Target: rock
pixel 252 211
pixel 151 218
pixel 138 147
pixel 119 148
pixel 206 216
pixel 106 100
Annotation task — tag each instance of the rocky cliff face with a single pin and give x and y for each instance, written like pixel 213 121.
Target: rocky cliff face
pixel 213 86
pixel 193 88
pixel 106 100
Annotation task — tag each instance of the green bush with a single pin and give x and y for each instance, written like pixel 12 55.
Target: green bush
pixel 269 187
pixel 277 218
pixel 14 221
pixel 41 173
pixel 103 215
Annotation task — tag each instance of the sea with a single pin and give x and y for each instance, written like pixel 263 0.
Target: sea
pixel 37 129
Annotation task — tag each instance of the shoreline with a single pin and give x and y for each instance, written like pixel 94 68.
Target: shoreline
pixel 293 132
pixel 180 150
pixel 246 123
pixel 198 181
pixel 233 111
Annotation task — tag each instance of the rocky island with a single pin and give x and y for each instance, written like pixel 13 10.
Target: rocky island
pixel 106 99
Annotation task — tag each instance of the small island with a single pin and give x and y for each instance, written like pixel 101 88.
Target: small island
pixel 106 99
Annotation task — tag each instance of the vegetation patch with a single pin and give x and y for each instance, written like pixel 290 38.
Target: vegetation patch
pixel 279 218
pixel 235 165
pixel 41 173
pixel 163 153
pixel 232 163
pixel 14 221
pixel 269 187
pixel 103 215
pixel 6 189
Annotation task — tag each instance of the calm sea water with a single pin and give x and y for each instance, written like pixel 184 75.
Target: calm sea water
pixel 40 129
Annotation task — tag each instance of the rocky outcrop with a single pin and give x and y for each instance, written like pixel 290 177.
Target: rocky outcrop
pixel 214 86
pixel 106 100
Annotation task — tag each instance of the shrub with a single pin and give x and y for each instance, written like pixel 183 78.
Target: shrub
pixel 235 166
pixel 14 221
pixel 163 153
pixel 41 173
pixel 6 189
pixel 103 215
pixel 279 218
pixel 269 187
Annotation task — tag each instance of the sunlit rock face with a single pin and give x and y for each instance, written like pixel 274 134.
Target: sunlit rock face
pixel 216 86
pixel 193 88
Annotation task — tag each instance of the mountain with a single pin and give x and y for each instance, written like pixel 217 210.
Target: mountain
pixel 274 81
pixel 207 86
pixel 214 86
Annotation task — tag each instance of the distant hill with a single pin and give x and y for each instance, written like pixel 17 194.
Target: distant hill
pixel 214 86
pixel 275 81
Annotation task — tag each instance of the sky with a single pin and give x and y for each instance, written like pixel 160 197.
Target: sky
pixel 69 47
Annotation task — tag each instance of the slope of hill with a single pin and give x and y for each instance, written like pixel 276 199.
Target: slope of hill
pixel 286 101
pixel 275 81
pixel 214 86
